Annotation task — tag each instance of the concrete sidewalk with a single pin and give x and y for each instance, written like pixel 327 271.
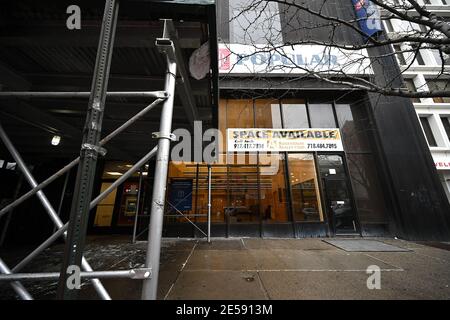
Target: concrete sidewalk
pixel 258 269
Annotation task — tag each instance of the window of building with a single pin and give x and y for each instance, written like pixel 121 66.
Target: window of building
pixel 354 125
pixel 389 26
pixel 254 23
pixel 321 115
pixel 295 114
pixel 297 24
pixel 267 113
pixel 438 58
pixel 409 83
pixel 428 132
pixel 306 205
pixel 446 122
pixel 399 55
pixel 439 85
pixel 367 190
pixel 418 55
pixel 273 198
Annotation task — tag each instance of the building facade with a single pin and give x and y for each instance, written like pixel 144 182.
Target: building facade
pixel 361 186
pixel 425 73
pixel 366 188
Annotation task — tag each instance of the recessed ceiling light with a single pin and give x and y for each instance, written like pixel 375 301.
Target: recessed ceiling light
pixel 114 173
pixel 56 140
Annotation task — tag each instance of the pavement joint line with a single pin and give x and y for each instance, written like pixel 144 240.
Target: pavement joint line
pixel 435 258
pixel 243 244
pixel 290 270
pixel 381 260
pixel 263 287
pixel 179 271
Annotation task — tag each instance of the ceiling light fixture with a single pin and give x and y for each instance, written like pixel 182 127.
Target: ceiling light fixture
pixel 114 173
pixel 56 140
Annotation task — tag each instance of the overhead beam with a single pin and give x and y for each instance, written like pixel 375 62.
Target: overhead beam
pixel 184 86
pixel 71 81
pixel 129 34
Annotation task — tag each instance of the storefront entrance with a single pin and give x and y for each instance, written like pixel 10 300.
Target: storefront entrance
pixel 287 193
pixel 337 195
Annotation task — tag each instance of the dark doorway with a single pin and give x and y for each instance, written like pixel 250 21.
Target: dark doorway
pixel 337 195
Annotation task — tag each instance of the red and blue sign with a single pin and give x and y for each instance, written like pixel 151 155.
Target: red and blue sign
pixel 368 17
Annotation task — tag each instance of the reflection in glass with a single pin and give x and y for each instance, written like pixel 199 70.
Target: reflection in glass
pixel 354 124
pixel 243 193
pixel 295 115
pixel 267 113
pixel 321 115
pixel 273 199
pixel 366 188
pixel 306 205
pixel 260 25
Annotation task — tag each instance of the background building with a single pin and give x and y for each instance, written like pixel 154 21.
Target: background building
pixel 426 73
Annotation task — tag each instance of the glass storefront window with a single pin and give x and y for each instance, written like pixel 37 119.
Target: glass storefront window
pixel 273 194
pixel 321 115
pixel 331 165
pixel 306 204
pixel 366 189
pixel 354 124
pixel 294 114
pixel 243 203
pixel 267 113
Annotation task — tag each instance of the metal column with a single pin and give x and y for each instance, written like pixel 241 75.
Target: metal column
pixel 209 203
pixel 89 151
pixel 138 203
pixel 63 194
pixel 150 286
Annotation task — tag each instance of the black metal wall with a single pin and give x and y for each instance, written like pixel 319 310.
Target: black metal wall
pixel 421 211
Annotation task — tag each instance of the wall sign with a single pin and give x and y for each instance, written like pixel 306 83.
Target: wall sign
pixel 368 17
pixel 296 59
pixel 180 195
pixel 274 140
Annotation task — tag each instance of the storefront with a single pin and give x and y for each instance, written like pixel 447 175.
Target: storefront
pixel 297 193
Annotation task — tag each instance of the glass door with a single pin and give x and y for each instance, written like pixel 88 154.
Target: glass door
pixel 338 196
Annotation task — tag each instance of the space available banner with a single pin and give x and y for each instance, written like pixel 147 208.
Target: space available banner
pixel 241 59
pixel 277 140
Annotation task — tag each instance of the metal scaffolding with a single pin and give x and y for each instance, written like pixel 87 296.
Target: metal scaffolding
pixel 74 231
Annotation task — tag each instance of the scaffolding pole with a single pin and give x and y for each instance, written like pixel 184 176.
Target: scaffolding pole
pixel 10 212
pixel 74 162
pixel 90 149
pixel 209 203
pixel 63 194
pixel 150 286
pixel 17 286
pixel 138 203
pixel 46 204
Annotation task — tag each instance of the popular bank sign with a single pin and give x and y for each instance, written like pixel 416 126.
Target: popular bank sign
pixel 244 59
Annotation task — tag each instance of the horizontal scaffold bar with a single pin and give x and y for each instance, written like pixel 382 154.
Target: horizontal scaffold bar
pixel 82 94
pixel 139 274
